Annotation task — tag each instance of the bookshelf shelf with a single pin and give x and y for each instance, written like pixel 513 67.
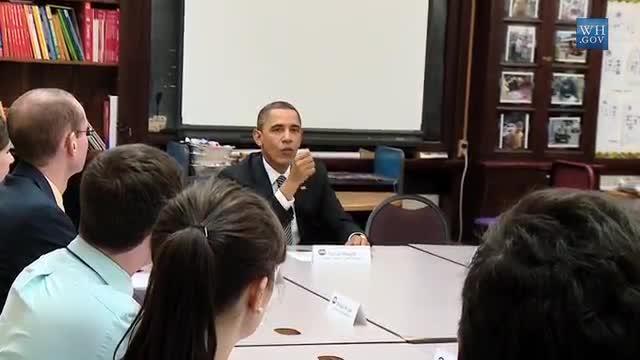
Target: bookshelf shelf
pixel 58 62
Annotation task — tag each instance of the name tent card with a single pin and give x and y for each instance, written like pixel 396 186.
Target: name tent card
pixel 346 310
pixel 443 355
pixel 325 254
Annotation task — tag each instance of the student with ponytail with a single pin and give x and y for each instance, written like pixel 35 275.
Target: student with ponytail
pixel 216 249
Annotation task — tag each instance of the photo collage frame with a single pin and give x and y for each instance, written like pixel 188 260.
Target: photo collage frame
pixel 517 76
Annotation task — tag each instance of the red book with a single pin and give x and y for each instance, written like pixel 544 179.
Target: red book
pixel 117 38
pixel 100 17
pixel 26 35
pixel 17 33
pixel 4 27
pixel 111 36
pixel 86 31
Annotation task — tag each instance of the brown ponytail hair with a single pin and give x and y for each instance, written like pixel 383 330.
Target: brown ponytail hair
pixel 208 245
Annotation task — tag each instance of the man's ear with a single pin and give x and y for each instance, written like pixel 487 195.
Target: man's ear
pixel 257 137
pixel 71 143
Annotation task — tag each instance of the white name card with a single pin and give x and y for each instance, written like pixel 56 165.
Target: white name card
pixel 443 355
pixel 345 310
pixel 341 254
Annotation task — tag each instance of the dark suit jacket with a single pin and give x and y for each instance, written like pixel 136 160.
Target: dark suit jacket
pixel 31 224
pixel 319 215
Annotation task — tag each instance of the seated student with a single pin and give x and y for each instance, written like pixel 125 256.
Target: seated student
pixel 76 302
pixel 296 186
pixel 216 249
pixel 557 278
pixel 48 129
pixel 6 159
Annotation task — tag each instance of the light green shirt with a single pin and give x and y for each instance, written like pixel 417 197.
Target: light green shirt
pixel 60 308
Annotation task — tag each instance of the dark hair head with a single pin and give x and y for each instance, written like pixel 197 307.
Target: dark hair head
pixel 558 277
pixel 263 115
pixel 39 119
pixel 198 274
pixel 122 192
pixel 4 135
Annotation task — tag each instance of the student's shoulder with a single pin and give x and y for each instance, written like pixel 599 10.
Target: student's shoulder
pixel 75 303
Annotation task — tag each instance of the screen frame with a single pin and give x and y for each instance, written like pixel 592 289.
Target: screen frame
pixel 431 131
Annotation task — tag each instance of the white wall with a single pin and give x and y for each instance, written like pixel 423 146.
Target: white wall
pixel 346 64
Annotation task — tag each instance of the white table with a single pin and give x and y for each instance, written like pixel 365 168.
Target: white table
pixel 459 254
pixel 412 295
pixel 292 307
pixel 346 352
pixel 296 308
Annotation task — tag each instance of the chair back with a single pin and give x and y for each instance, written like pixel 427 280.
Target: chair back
pixel 574 175
pixel 391 223
pixel 388 162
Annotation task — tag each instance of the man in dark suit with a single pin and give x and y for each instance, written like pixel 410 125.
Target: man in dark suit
pixel 296 186
pixel 48 128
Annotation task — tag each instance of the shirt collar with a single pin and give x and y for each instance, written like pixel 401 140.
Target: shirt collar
pixel 273 173
pixel 109 271
pixel 57 194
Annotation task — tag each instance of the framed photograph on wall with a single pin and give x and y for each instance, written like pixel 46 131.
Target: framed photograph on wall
pixel 566 49
pixel 516 87
pixel 514 131
pixel 521 44
pixel 564 132
pixel 523 8
pixel 570 10
pixel 567 89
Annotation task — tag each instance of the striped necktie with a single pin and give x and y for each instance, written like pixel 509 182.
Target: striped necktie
pixel 287 230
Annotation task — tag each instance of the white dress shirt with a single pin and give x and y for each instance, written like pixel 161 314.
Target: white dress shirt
pixel 286 204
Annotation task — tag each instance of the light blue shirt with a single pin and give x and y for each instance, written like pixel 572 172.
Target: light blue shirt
pixel 60 308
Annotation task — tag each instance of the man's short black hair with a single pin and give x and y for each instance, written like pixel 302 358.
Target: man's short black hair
pixel 122 193
pixel 557 278
pixel 263 115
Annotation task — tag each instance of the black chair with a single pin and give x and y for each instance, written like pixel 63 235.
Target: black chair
pixel 392 224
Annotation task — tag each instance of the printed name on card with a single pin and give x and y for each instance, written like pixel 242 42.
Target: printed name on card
pixel 346 310
pixel 341 254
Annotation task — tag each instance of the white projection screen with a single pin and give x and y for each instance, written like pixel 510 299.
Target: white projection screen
pixel 346 64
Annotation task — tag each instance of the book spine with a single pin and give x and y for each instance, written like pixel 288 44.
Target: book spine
pixel 74 33
pixel 33 34
pixel 26 39
pixel 46 30
pixel 4 31
pixel 46 11
pixel 105 121
pixel 66 55
pixel 101 30
pixel 86 30
pixel 111 36
pixel 117 37
pixel 39 34
pixel 96 36
pixel 15 36
pixel 67 37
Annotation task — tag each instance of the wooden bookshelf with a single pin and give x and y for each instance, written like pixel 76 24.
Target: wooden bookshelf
pixel 90 82
pixel 57 62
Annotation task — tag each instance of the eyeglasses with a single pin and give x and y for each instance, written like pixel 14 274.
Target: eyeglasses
pixel 90 131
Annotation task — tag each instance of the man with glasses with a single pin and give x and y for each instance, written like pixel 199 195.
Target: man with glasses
pixel 49 130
